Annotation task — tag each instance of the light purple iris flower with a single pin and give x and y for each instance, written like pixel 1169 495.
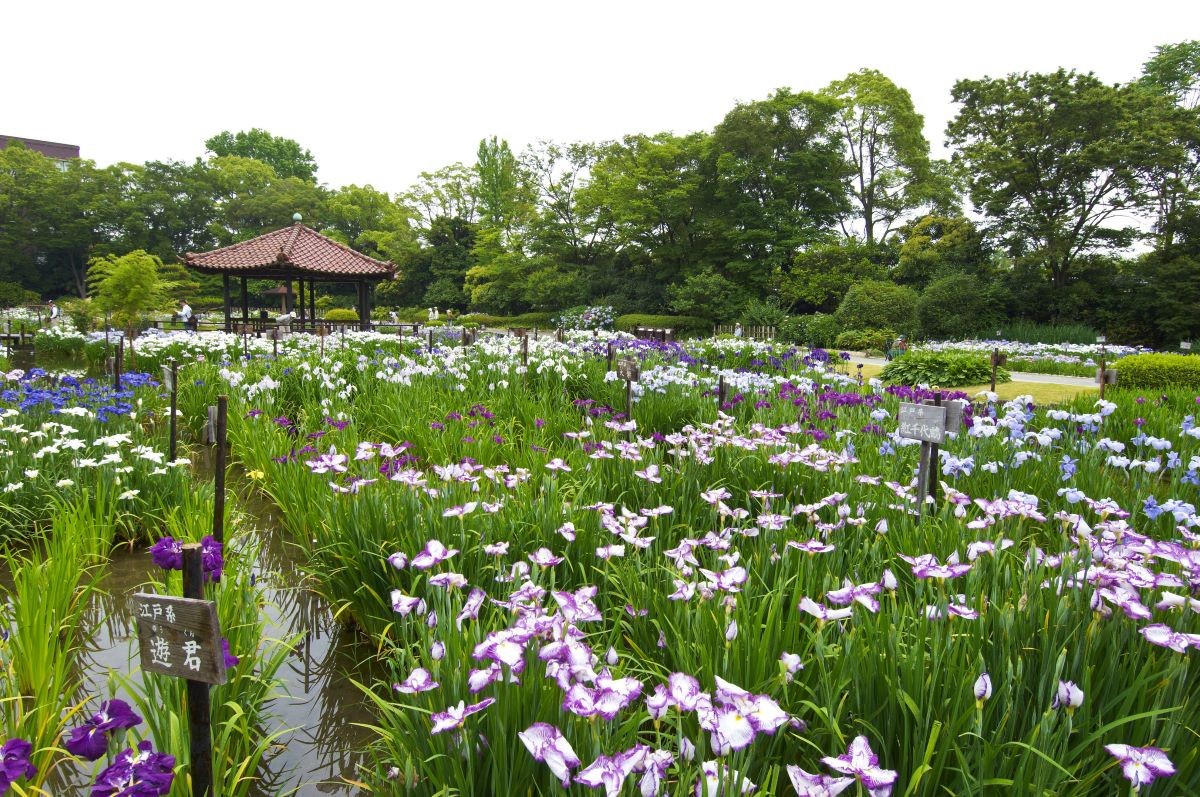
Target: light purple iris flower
pixel 1068 696
pixel 821 612
pixel 419 680
pixel 544 557
pixel 406 604
pixel 685 691
pixel 730 580
pixel 471 605
pixel 927 566
pixel 716 780
pixel 453 717
pixel 578 606
pixel 610 772
pixel 863 764
pixel 1141 765
pixel 809 785
pixel 434 553
pixel 855 593
pixel 449 580
pixel 1166 637
pixel 811 546
pixel 983 688
pixel 547 744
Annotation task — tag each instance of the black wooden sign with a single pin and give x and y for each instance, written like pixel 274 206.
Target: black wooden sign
pixel 628 369
pixel 922 422
pixel 179 637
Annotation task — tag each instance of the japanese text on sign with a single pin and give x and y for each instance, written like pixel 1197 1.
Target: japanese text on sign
pixel 627 369
pixel 180 637
pixel 922 422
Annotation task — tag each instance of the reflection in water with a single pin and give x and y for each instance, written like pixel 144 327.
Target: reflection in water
pixel 319 703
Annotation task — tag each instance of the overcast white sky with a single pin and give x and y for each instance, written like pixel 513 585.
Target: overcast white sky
pixel 380 92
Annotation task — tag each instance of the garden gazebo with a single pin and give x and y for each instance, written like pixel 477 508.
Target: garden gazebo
pixel 297 253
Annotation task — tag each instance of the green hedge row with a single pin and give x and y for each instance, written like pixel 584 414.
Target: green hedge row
pixel 1158 371
pixel 682 325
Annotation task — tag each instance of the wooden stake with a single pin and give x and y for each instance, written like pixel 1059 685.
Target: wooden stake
pixel 174 403
pixel 219 475
pixel 199 728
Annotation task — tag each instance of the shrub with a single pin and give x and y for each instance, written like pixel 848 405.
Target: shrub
pixel 541 320
pixel 763 314
pixel 941 368
pixel 341 314
pixel 864 339
pixel 1033 332
pixel 584 317
pixel 683 325
pixel 1159 371
pixel 879 304
pixel 13 295
pixel 63 339
pixel 955 306
pixel 817 330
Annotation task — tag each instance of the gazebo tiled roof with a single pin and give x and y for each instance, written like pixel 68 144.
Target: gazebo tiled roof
pixel 296 250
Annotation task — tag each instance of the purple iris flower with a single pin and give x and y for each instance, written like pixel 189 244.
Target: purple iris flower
pixel 143 773
pixel 927 566
pixel 1141 765
pixel 855 593
pixel 453 717
pixel 231 660
pixel 1068 696
pixel 863 764
pixel 14 762
pixel 547 744
pixel 167 553
pixel 611 771
pixel 90 740
pixel 211 561
pixel 434 553
pixel 808 785
pixel 419 680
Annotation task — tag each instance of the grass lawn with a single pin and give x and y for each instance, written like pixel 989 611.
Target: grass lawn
pixel 1042 392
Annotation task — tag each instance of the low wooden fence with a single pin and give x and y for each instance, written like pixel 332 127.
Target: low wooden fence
pixel 752 332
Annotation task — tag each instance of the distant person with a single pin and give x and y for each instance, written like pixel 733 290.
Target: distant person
pixel 737 330
pixel 393 317
pixel 54 314
pixel 901 347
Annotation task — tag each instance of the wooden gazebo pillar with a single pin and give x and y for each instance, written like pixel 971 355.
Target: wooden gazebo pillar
pixel 228 303
pixel 301 303
pixel 245 305
pixel 312 300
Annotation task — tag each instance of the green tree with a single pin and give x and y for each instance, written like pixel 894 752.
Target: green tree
pixel 166 208
pixel 821 275
pixel 937 246
pixel 448 193
pixel 708 294
pixel 777 186
pixel 1052 162
pixel 957 306
pixel 1174 181
pixel 369 221
pixel 251 199
pixel 884 142
pixel 878 304
pixel 128 287
pixel 285 157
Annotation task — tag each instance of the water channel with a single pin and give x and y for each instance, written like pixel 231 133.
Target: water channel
pixel 318 707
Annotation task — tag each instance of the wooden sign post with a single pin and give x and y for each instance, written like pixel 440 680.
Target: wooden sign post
pixel 219 468
pixel 610 356
pixel 721 391
pixel 998 359
pixel 1102 372
pixel 927 424
pixel 170 372
pixel 181 637
pixel 525 351
pixel 629 370
pixel 431 340
pixel 118 363
pixel 558 335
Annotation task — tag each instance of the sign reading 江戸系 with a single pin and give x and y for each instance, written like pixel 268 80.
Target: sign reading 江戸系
pixel 923 422
pixel 168 381
pixel 627 369
pixel 180 637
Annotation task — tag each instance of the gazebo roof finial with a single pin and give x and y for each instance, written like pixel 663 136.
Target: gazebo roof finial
pixel 297 218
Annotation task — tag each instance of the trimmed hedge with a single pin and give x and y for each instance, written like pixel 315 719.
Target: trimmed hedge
pixel 525 320
pixel 683 325
pixel 865 339
pixel 941 369
pixel 1158 371
pixel 341 314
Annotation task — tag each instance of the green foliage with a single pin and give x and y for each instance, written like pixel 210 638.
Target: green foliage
pixel 341 314
pixel 12 294
pixel 879 304
pixel 129 286
pixel 707 294
pixel 59 340
pixel 759 313
pixel 1159 371
pixel 941 369
pixel 816 329
pixel 864 340
pixel 821 275
pixel 956 306
pixel 938 246
pixel 684 326
pixel 283 155
pixel 1031 332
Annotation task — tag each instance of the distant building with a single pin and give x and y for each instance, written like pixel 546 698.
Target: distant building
pixel 60 153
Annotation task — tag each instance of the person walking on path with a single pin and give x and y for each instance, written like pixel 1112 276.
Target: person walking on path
pixel 54 314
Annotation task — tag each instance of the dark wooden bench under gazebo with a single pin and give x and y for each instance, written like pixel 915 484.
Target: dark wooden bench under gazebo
pixel 297 253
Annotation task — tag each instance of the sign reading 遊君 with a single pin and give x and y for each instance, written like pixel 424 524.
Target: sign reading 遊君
pixel 179 637
pixel 923 422
pixel 627 369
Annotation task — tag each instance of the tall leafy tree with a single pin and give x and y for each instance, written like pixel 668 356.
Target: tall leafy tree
pixel 884 142
pixel 448 193
pixel 128 286
pixel 285 156
pixel 251 199
pixel 1052 162
pixel 369 221
pixel 165 208
pixel 777 184
pixel 1173 181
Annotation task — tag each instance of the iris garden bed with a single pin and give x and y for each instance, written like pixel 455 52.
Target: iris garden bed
pixel 725 598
